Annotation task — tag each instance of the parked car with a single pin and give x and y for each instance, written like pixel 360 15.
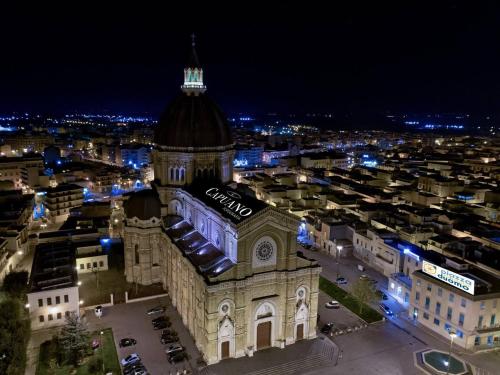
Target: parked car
pixel 364 277
pixel 169 332
pixel 341 280
pixel 174 349
pixel 127 342
pixel 332 305
pixel 159 319
pixel 132 358
pixel 156 310
pixel 168 339
pixel 162 325
pixel 177 357
pixel 386 309
pixel 135 369
pixel 327 328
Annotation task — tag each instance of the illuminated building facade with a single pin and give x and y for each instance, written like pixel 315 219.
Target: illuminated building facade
pixel 228 261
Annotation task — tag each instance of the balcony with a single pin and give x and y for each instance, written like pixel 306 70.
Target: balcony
pixel 485 329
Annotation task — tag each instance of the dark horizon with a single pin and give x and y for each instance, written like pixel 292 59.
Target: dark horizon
pixel 353 59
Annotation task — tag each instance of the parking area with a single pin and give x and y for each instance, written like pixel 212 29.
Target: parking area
pixel 131 321
pixel 342 318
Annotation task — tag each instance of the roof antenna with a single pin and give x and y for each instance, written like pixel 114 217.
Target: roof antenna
pixel 193 37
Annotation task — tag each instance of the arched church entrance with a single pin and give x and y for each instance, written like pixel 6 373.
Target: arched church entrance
pixel 264 335
pixel 265 321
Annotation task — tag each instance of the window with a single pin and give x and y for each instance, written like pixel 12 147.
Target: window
pixel 460 334
pixel 440 292
pixel 429 287
pixel 427 303
pixel 66 298
pixel 449 313
pixel 480 321
pixel 461 319
pixel 451 297
pixel 49 301
pixel 41 319
pixel 447 327
pixel 463 302
pixel 94 264
pixel 438 308
pixel 482 305
pixel 66 314
pixel 477 340
pixel 436 321
pixel 40 302
pixel 418 282
pixel 417 296
pixel 426 316
pixel 59 315
pixel 58 300
pixel 51 317
pixel 89 265
pixel 492 320
pixel 82 266
pixel 101 263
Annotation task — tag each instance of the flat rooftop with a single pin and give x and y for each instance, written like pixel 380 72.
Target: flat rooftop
pixel 53 267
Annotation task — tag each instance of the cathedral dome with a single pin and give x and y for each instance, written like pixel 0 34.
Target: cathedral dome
pixel 144 204
pixel 193 121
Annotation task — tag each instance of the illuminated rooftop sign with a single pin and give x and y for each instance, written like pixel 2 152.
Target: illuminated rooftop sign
pixel 230 203
pixel 449 277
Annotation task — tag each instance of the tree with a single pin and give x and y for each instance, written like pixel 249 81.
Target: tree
pixel 14 335
pixel 74 339
pixel 364 293
pixel 16 283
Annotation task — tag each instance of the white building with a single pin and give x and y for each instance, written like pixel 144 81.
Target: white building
pixel 456 297
pixel 53 291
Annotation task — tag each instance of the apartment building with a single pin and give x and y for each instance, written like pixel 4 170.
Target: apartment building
pixel 53 290
pixel 455 296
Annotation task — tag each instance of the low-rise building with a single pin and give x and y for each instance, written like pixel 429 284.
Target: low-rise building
pixel 53 290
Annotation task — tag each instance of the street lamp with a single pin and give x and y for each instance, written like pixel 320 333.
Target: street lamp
pixel 102 350
pixel 453 334
pixel 339 249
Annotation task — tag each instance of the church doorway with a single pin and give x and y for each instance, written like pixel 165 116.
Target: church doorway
pixel 264 335
pixel 224 350
pixel 300 331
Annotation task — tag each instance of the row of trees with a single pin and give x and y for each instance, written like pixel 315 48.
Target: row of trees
pixel 14 324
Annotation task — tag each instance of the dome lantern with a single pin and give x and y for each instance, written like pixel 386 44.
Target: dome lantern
pixel 193 73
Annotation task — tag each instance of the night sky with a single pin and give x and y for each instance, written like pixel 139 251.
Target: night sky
pixel 418 56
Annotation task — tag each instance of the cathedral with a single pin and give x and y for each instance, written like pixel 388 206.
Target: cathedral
pixel 228 261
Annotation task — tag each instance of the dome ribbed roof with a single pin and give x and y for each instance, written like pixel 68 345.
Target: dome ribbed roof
pixel 143 204
pixel 193 121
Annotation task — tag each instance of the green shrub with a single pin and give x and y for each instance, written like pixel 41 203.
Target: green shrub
pixel 95 365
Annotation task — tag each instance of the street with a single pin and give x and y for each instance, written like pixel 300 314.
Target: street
pixel 390 345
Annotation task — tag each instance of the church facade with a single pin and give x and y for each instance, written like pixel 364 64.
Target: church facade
pixel 228 261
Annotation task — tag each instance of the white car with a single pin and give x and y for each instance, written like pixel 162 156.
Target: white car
pixel 98 311
pixel 174 349
pixel 132 358
pixel 332 305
